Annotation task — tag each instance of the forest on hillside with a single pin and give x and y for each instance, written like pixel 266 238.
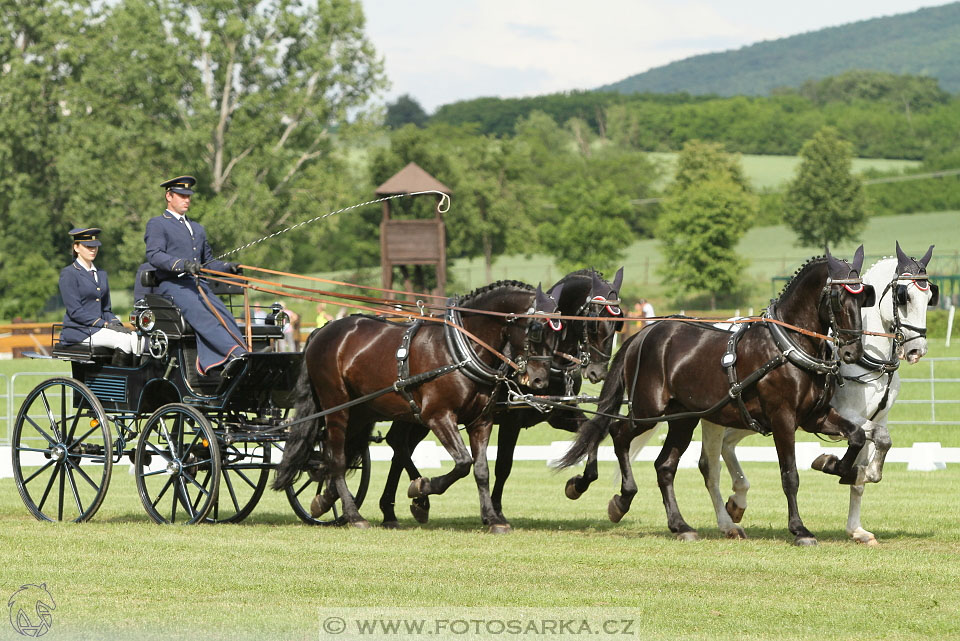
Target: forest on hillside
pixel 923 42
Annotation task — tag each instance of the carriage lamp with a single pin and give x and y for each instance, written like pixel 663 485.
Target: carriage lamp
pixel 94 422
pixel 146 320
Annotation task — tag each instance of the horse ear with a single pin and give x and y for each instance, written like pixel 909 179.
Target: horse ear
pixel 926 257
pixel 903 261
pixel 554 293
pixel 618 280
pixel 858 259
pixel 836 267
pixel 542 302
pixel 597 285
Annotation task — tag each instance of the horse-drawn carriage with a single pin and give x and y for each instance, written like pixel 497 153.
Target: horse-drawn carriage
pixel 202 447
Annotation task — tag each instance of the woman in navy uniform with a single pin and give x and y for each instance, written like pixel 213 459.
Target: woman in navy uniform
pixel 86 294
pixel 177 248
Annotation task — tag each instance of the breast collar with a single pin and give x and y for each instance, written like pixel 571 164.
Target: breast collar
pixel 793 352
pixel 462 351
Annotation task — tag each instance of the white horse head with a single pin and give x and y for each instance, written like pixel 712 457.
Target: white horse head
pixel 902 302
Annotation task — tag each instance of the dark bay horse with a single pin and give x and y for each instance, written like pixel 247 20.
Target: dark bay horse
pixel 452 380
pixel 679 372
pixel 584 348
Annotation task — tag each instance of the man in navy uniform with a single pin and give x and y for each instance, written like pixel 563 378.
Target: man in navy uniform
pixel 177 247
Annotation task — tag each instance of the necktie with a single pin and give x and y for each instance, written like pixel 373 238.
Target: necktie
pixel 184 221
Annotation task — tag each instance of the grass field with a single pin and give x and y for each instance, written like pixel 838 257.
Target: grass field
pixel 122 577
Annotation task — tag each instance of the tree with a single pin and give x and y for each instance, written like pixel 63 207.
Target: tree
pixel 405 111
pixel 588 227
pixel 825 202
pixel 707 212
pixel 99 102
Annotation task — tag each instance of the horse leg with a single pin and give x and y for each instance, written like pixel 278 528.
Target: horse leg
pixel 445 428
pixel 337 424
pixel 479 439
pixel 402 438
pixel 712 435
pixel 678 438
pixel 831 423
pixel 854 529
pixel 737 502
pixel 507 437
pixel 619 505
pixel 879 443
pixel 784 438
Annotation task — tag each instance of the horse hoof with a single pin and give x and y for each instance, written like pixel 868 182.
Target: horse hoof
pixel 362 524
pixel 390 525
pixel 687 536
pixel 736 534
pixel 416 488
pixel 822 462
pixel 420 513
pixel 500 528
pixel 734 510
pixel 571 489
pixel 805 541
pixel 614 511
pixel 319 506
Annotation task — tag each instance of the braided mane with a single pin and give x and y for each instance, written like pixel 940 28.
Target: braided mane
pixel 788 287
pixel 500 284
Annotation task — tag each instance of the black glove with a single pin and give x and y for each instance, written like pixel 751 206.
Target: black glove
pixel 191 267
pixel 233 268
pixel 117 326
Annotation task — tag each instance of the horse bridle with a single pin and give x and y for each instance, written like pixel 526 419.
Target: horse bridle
pixel 593 307
pixel 833 294
pixel 534 335
pixel 900 298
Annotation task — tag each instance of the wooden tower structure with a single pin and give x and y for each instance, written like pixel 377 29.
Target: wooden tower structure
pixel 412 242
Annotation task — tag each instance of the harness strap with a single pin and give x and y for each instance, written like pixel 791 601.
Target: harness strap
pixel 403 367
pixel 729 362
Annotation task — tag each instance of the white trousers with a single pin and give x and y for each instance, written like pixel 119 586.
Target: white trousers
pixel 129 343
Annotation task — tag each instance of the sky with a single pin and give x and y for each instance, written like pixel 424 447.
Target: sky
pixel 442 51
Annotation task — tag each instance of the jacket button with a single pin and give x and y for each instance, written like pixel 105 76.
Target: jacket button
pixel 98 300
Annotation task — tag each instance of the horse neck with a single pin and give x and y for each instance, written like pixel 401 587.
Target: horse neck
pixel 879 318
pixel 576 289
pixel 800 302
pixel 491 328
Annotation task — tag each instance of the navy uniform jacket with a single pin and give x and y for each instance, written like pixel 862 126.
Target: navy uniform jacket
pixel 87 302
pixel 169 246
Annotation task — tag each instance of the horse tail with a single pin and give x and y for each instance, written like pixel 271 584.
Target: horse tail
pixel 596 429
pixel 303 436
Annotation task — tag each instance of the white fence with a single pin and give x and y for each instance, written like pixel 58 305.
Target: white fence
pixel 921 456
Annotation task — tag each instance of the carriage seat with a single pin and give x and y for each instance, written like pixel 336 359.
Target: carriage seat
pixel 171 321
pixel 82 351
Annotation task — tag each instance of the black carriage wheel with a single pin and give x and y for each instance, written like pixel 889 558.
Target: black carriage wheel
pixel 177 465
pixel 301 493
pixel 245 472
pixel 62 451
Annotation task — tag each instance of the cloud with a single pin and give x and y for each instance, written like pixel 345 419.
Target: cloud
pixel 442 51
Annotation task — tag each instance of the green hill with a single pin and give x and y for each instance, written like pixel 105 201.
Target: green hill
pixel 925 42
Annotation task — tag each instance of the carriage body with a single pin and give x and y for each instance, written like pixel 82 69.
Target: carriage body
pixel 163 417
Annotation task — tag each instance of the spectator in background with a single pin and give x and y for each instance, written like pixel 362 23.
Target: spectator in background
pixel 291 330
pixel 323 316
pixel 643 308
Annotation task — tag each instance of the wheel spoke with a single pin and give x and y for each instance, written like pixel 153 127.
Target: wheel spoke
pixel 38 472
pixel 63 474
pixel 158 451
pixel 46 493
pixel 166 435
pixel 49 438
pixel 53 421
pixel 166 487
pixel 245 478
pixel 73 489
pixel 82 473
pixel 194 481
pixel 233 494
pixel 72 441
pixel 186 498
pixel 303 487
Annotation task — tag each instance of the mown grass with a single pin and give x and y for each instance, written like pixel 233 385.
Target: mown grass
pixel 120 576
